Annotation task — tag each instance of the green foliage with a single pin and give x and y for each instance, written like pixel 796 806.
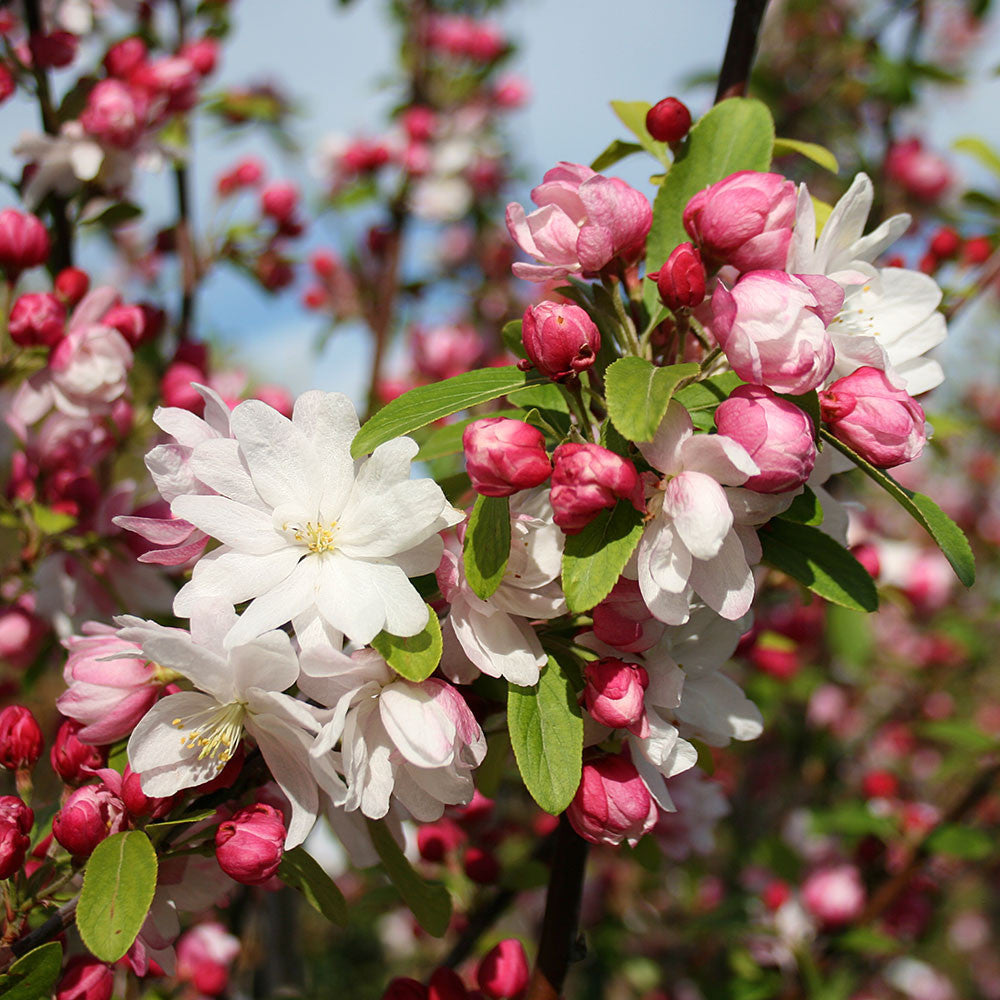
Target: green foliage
pixel 615 151
pixel 300 870
pixel 486 548
pixel 546 732
pixel 706 394
pixel 638 394
pixel 512 339
pixel 811 150
pixel 594 558
pixel 33 975
pixel 414 657
pixel 805 509
pixel 118 886
pixel 966 842
pixel 632 114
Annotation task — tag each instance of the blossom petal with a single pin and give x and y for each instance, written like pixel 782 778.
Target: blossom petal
pixel 329 421
pixel 725 582
pixel 243 528
pixel 700 511
pixel 234 577
pixel 278 604
pixel 664 451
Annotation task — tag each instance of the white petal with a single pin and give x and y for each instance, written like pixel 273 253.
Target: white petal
pixel 279 604
pixel 845 224
pixel 329 421
pixel 716 710
pixel 422 731
pixel 700 511
pixel 234 577
pixel 243 528
pixel 663 452
pixel 725 582
pixel 720 457
pixel 219 464
pixel 498 644
pixel 267 662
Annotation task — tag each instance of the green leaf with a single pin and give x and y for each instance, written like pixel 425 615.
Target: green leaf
pixel 709 392
pixel 429 902
pixel 811 150
pixel 737 134
pixel 594 559
pixel 486 548
pixel 512 339
pixel 960 734
pixel 819 563
pixel 965 842
pixel 33 975
pixel 616 151
pixel 427 403
pixel 638 394
pixel 849 636
pixel 981 150
pixel 948 535
pixel 546 732
pixel 118 887
pixel 302 871
pixel 805 509
pixel 414 657
pixel 49 521
pixel 632 114
pixel 853 819
pixel 867 941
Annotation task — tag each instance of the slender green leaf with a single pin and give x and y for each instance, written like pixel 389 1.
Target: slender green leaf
pixel 616 151
pixel 49 521
pixel 805 509
pixel 429 902
pixel 486 548
pixel 546 732
pixel 638 394
pixel 737 134
pixel 511 336
pixel 708 393
pixel 428 403
pixel 966 842
pixel 594 559
pixel 632 114
pixel 302 871
pixel 414 657
pixel 948 535
pixel 811 150
pixel 959 734
pixel 33 975
pixel 982 151
pixel 118 886
pixel 819 563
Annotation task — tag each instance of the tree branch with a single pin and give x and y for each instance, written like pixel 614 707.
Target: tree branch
pixel 740 49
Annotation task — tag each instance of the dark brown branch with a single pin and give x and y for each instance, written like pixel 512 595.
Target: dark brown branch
pixel 740 49
pixel 184 240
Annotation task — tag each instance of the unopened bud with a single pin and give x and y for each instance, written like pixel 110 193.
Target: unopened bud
pixel 248 846
pixel 560 340
pixel 71 759
pixel 503 972
pixel 612 803
pixel 88 816
pixel 681 280
pixel 86 978
pixel 37 319
pixel 613 694
pixel 668 120
pixel 71 285
pixel 16 820
pixel 20 739
pixel 24 243
pixel 504 456
pixel 586 479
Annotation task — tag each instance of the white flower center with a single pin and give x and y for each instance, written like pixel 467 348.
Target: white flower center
pixel 216 730
pixel 316 536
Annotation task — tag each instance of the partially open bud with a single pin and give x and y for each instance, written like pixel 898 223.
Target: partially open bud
pixel 37 319
pixel 90 814
pixel 613 694
pixel 115 114
pixel 883 424
pixel 777 434
pixel 561 340
pixel 86 978
pixel 612 804
pixel 668 120
pixel 248 846
pixel 71 759
pixel 586 479
pixel 24 242
pixel 71 284
pixel 681 280
pixel 503 972
pixel 16 820
pixel 124 57
pixel 504 456
pixel 20 738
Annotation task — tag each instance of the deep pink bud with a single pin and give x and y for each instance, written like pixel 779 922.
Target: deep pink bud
pixel 622 619
pixel 115 114
pixel 586 479
pixel 612 804
pixel 124 57
pixel 176 388
pixel 71 285
pixel 613 694
pixel 277 397
pixel 681 280
pixel 481 866
pixel 137 802
pixel 248 846
pixel 921 172
pixel 86 978
pixel 203 54
pixel 129 320
pixel 503 972
pixel 668 120
pixel 279 200
pixel 777 434
pixel 446 984
pixel 883 424
pixel 7 84
pixel 561 340
pixel 37 319
pixel 54 50
pixel 20 738
pixel 403 988
pixel 435 841
pixel 16 820
pixel 24 242
pixel 419 122
pixel 90 814
pixel 504 456
pixel 745 220
pixel 72 760
pixel 834 895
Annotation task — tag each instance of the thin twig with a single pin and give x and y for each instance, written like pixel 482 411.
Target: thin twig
pixel 184 239
pixel 740 49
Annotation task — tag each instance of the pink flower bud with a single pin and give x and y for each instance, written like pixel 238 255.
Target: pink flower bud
pixel 668 120
pixel 622 619
pixel 920 172
pixel 16 820
pixel 777 434
pixel 503 972
pixel 203 54
pixel 883 424
pixel 612 804
pixel 561 340
pixel 419 122
pixel 446 984
pixel 54 50
pixel 20 738
pixel 137 802
pixel 176 388
pixel 504 456
pixel 7 84
pixel 37 319
pixel 115 114
pixel 130 320
pixel 279 200
pixel 124 57
pixel 772 326
pixel 681 281
pixel 86 978
pixel 744 220
pixel 586 479
pixel 834 895
pixel 403 988
pixel 24 243
pixel 613 694
pixel 435 841
pixel 71 285
pixel 481 866
pixel 21 634
pixel 90 814
pixel 248 846
pixel 170 81
pixel 71 759
pixel 440 352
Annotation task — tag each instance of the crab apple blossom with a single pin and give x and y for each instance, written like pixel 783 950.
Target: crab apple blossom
pixel 668 120
pixel 560 340
pixel 777 435
pixel 883 423
pixel 446 350
pixel 20 738
pixel 613 694
pixel 834 895
pixel 115 114
pixel 24 242
pixel 772 326
pixel 584 220
pixel 37 319
pixel 744 220
pixel 587 479
pixel 72 759
pixel 504 456
pixel 124 57
pixel 88 816
pixel 85 978
pixel 681 280
pixel 204 955
pixel 249 845
pixel 612 803
pixel 305 531
pixel 503 972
